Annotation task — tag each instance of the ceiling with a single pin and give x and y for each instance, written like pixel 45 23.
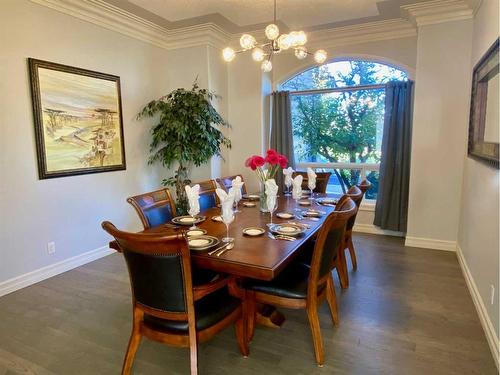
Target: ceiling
pixel 243 15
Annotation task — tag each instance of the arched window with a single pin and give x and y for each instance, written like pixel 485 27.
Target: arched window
pixel 338 117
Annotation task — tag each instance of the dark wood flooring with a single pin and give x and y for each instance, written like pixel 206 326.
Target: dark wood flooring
pixel 407 311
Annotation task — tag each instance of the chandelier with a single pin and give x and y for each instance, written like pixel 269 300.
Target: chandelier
pixel 263 53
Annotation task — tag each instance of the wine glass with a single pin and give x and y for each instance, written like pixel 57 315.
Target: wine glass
pixel 296 195
pixel 288 184
pixel 271 209
pixel 193 212
pixel 237 198
pixel 311 187
pixel 227 218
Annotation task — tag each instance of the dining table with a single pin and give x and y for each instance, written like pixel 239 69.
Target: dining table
pixel 258 257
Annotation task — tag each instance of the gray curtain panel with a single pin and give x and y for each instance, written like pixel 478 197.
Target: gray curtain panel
pixel 281 129
pixel 391 210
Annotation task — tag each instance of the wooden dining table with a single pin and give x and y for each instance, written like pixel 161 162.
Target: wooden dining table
pixel 259 257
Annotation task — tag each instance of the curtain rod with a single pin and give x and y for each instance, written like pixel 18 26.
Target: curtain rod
pixel 337 89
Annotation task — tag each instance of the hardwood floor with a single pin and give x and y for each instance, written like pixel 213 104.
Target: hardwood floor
pixel 407 311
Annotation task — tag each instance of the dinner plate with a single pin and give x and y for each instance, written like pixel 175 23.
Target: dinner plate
pixel 202 242
pixel 253 231
pixel 251 197
pixel 285 215
pixel 196 232
pixel 305 203
pixel 312 213
pixel 249 204
pixel 217 218
pixel 188 220
pixel 287 229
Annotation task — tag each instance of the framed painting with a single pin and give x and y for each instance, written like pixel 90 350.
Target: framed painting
pixel 78 120
pixel 484 130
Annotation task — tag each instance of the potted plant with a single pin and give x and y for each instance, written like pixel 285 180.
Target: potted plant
pixel 185 135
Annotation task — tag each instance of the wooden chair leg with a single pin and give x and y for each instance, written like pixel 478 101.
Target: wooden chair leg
pixel 354 261
pixel 342 270
pixel 312 315
pixel 241 337
pixel 332 300
pixel 133 343
pixel 193 352
pixel 251 311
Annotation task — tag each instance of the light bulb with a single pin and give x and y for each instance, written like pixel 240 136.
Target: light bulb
pixel 301 38
pixel 247 41
pixel 272 31
pixel 301 53
pixel 284 41
pixel 294 38
pixel 258 54
pixel 266 66
pixel 320 56
pixel 228 54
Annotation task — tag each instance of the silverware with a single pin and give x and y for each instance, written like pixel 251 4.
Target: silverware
pixel 218 249
pixel 281 237
pixel 307 226
pixel 229 246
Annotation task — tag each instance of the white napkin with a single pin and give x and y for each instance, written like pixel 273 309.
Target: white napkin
pixel 193 196
pixel 297 187
pixel 288 176
pixel 271 194
pixel 237 184
pixel 226 202
pixel 311 179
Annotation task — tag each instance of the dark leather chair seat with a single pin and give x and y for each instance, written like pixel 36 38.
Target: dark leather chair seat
pixel 209 310
pixel 291 283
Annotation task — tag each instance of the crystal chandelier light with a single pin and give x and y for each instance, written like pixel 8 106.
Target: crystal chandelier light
pixel 264 53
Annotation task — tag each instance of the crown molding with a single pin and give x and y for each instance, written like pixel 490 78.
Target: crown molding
pixel 438 11
pixel 103 14
pixel 113 18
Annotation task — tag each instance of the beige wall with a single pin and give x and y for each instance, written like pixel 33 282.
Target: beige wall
pixel 479 218
pixel 69 210
pixel 439 136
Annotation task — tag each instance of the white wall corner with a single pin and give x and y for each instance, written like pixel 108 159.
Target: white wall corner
pixel 437 11
pixel 430 243
pixel 33 277
pixel 489 330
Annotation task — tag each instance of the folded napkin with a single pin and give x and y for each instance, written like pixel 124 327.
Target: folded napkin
pixel 226 203
pixel 237 184
pixel 271 194
pixel 288 172
pixel 193 196
pixel 311 179
pixel 297 187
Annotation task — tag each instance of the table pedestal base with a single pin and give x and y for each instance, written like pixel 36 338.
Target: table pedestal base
pixel 268 316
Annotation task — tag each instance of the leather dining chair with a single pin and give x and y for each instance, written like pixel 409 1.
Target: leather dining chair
pixel 227 182
pixel 302 286
pixel 322 179
pixel 154 208
pixel 208 196
pixel 167 308
pixel 357 196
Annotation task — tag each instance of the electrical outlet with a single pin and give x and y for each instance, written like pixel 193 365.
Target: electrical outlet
pixel 51 248
pixel 492 295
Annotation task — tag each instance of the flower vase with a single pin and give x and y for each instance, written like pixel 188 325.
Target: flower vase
pixel 263 199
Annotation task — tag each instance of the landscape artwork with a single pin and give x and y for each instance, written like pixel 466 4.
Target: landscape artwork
pixel 78 120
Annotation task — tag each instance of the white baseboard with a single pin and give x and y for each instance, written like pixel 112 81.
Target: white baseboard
pixel 372 229
pixel 33 277
pixel 430 243
pixel 489 330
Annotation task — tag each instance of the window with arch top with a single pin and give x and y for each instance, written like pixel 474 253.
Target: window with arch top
pixel 338 119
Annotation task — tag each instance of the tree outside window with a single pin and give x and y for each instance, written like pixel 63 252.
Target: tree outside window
pixel 344 122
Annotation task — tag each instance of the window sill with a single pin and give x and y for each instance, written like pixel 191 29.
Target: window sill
pixel 368 205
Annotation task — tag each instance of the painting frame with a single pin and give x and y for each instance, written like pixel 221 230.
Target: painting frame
pixel 485 70
pixel 34 66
